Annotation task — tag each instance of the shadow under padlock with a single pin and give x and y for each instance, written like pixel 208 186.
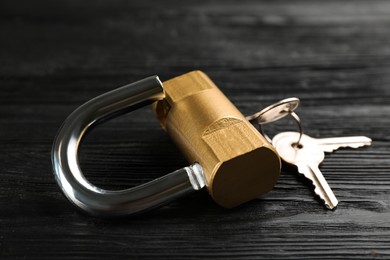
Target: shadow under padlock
pixel 227 154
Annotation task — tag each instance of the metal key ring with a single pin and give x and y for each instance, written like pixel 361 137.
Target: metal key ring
pixel 97 201
pixel 276 112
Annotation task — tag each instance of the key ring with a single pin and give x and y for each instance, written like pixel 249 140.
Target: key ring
pixel 276 112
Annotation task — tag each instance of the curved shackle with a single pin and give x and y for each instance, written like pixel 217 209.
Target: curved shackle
pixel 101 202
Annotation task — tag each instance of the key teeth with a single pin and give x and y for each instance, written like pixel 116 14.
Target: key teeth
pixel 331 148
pixel 327 205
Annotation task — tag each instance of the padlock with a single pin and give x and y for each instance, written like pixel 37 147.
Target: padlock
pixel 227 154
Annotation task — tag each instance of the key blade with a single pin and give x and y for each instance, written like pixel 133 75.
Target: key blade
pixel 331 148
pixel 332 144
pixel 321 186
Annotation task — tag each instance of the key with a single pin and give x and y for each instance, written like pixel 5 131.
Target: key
pixel 331 144
pixel 285 144
pixel 306 157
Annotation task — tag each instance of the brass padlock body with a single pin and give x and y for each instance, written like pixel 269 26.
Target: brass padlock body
pixel 238 163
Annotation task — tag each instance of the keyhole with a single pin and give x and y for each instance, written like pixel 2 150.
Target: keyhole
pixel 297 145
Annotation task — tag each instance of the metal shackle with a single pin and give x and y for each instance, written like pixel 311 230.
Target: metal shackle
pixel 101 202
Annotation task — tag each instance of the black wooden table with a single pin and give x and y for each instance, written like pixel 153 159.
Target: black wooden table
pixel 333 55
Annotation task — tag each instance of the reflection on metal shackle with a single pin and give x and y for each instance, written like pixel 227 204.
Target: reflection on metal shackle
pixel 228 155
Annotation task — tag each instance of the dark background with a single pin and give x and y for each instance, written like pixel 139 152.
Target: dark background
pixel 55 55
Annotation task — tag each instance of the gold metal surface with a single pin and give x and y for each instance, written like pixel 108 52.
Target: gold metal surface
pixel 239 164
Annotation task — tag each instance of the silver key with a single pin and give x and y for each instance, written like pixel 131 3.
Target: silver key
pixel 330 144
pixel 306 157
pixel 310 154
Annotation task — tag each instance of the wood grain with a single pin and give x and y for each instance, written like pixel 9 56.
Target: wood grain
pixel 333 55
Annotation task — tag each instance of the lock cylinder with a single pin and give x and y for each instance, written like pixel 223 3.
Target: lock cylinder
pixel 238 163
